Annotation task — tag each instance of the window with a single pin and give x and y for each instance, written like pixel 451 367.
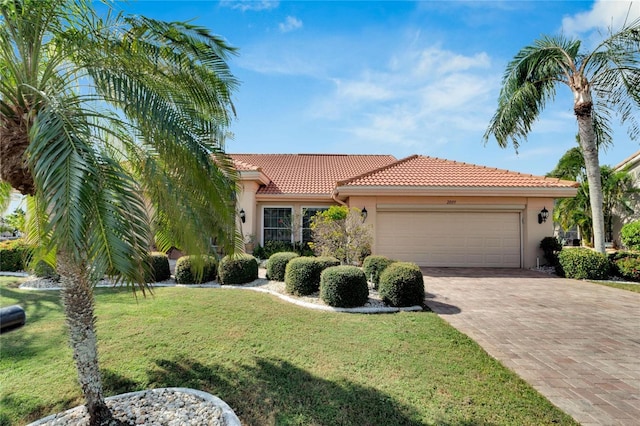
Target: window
pixel 307 214
pixel 277 224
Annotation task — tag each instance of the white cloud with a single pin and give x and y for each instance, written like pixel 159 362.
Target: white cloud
pixel 290 24
pixel 419 100
pixel 252 5
pixel 604 15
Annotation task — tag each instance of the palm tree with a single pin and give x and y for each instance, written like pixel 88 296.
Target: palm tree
pixel 603 82
pixel 96 110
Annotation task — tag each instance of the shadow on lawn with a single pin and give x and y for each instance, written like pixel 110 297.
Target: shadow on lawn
pixel 277 392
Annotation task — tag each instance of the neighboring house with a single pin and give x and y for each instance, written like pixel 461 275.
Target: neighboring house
pixel 426 210
pixel 632 166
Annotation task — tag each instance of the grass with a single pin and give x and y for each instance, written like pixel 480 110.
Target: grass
pixel 621 285
pixel 272 362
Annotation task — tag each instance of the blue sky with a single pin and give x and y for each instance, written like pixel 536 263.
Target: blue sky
pixel 393 77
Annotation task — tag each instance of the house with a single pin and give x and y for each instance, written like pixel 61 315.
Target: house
pixel 426 210
pixel 632 166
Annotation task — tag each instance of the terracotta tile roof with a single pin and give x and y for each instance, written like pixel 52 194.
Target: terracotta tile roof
pixel 308 173
pixel 422 171
pixel 241 166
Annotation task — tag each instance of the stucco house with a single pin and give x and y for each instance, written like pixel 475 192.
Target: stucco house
pixel 430 211
pixel 632 165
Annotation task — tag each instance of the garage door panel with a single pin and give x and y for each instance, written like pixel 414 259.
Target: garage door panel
pixel 455 239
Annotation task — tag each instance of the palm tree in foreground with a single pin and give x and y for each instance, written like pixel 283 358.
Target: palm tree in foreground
pixel 94 112
pixel 604 82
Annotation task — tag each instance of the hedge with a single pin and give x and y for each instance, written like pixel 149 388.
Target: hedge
pixel 239 269
pixel 583 264
pixel 14 255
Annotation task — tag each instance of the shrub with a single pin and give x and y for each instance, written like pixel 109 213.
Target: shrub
pixel 238 269
pixel 14 255
pixel 626 265
pixel 341 232
pixel 629 268
pixel 373 267
pixel 187 269
pixel 44 270
pixel 302 275
pixel 277 265
pixel 551 247
pixel 630 235
pixel 583 264
pixel 159 269
pixel 327 261
pixel 401 284
pixel 344 287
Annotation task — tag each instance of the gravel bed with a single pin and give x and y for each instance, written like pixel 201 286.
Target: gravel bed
pixel 156 407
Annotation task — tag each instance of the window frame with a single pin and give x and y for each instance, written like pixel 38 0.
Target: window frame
pixel 302 213
pixel 262 219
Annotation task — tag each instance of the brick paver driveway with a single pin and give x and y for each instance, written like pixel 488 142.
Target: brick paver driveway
pixel 577 343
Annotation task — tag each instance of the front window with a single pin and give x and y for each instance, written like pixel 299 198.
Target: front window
pixel 277 224
pixel 307 214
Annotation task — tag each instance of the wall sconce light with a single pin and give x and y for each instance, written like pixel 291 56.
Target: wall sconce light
pixel 543 215
pixel 364 214
pixel 243 216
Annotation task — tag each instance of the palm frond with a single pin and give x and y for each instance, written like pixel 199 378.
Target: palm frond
pixel 528 83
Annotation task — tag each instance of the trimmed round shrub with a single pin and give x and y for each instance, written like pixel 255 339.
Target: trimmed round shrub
pixel 277 264
pixel 44 270
pixel 583 264
pixel 159 269
pixel 630 235
pixel 373 267
pixel 344 286
pixel 187 269
pixel 401 284
pixel 302 276
pixel 239 269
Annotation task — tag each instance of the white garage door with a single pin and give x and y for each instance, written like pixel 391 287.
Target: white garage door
pixel 456 239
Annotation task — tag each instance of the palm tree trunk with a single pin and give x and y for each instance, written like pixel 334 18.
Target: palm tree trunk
pixel 592 165
pixel 78 302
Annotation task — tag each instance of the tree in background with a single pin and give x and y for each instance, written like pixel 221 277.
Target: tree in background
pixel 96 110
pixel 604 82
pixel 340 232
pixel 618 191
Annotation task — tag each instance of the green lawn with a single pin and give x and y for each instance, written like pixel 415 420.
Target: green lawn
pixel 621 285
pixel 272 362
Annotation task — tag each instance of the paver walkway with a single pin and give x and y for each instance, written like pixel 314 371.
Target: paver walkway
pixel 576 342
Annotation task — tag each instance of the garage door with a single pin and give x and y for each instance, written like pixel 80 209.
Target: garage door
pixel 457 239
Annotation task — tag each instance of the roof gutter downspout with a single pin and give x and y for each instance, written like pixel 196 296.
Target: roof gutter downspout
pixel 334 196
